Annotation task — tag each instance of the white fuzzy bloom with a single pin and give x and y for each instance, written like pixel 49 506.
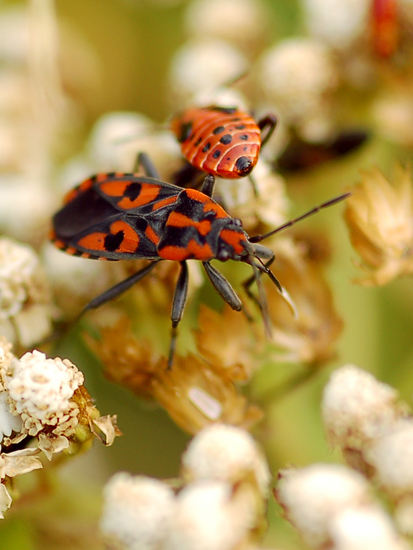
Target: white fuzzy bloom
pixel 209 516
pixel 337 22
pixel 8 421
pixel 64 273
pixel 42 388
pixel 111 134
pixel 248 20
pixel 18 266
pixel 137 512
pixel 201 65
pixel 26 206
pixel 313 496
pixel 356 408
pixel 392 458
pixel 226 453
pixel 363 528
pixel 298 75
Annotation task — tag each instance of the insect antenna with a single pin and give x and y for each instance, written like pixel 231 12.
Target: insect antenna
pixel 331 202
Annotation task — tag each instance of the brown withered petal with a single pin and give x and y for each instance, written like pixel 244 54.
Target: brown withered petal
pixel 225 340
pixel 19 462
pixel 195 396
pixel 108 427
pixel 311 337
pixel 379 217
pixel 126 361
pixel 194 392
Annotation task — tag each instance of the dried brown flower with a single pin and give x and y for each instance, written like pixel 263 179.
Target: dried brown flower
pixel 194 392
pixel 311 337
pixel 379 216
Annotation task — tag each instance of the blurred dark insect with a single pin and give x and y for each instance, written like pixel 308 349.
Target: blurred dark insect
pixel 300 155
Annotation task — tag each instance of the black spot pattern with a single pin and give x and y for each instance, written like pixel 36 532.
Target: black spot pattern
pixel 185 131
pixel 216 154
pixel 112 242
pixel 218 130
pixel 225 140
pixel 206 147
pixel 132 191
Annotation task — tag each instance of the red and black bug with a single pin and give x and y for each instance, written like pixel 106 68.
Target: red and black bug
pixel 126 217
pixel 385 27
pixel 222 141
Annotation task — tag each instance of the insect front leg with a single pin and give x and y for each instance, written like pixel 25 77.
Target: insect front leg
pixel 118 289
pixel 208 185
pixel 267 123
pixel 264 268
pixel 178 306
pixel 148 166
pixel 223 287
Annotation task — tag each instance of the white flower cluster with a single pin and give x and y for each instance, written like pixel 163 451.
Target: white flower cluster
pixel 331 507
pixel 220 506
pixel 42 399
pixel 298 75
pixel 362 417
pixel 25 307
pixel 37 394
pixel 41 389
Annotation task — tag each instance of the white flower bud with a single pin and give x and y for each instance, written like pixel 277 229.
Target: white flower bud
pixel 111 134
pixel 392 458
pixel 210 516
pixel 356 408
pixel 362 528
pixel 297 74
pixel 248 18
pixel 204 64
pixel 137 512
pixel 226 453
pixel 18 267
pixel 313 496
pixel 337 22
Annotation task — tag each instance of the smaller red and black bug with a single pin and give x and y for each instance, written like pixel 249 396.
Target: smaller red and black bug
pixel 127 217
pixel 222 141
pixel 385 27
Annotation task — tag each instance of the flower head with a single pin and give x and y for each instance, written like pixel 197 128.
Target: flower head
pixel 137 512
pixel 24 293
pixel 379 216
pixel 357 408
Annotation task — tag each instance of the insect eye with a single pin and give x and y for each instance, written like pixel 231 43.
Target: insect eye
pixel 223 255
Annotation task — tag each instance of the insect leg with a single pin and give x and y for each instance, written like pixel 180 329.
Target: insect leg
pixel 281 289
pixel 223 287
pixel 267 123
pixel 178 306
pixel 254 185
pixel 118 289
pixel 148 166
pixel 208 185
